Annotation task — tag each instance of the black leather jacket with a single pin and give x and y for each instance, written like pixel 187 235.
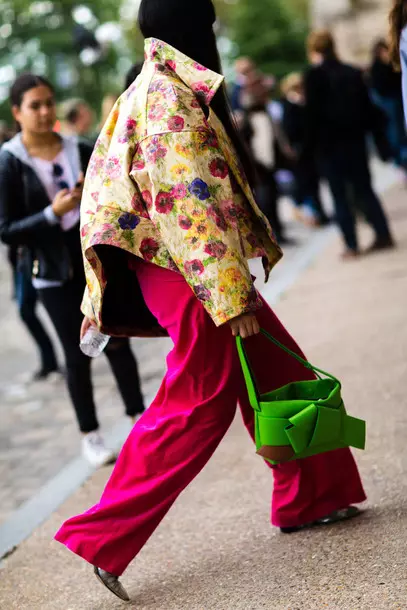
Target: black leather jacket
pixel 44 248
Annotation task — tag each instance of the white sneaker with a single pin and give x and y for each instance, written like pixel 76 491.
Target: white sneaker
pixel 95 451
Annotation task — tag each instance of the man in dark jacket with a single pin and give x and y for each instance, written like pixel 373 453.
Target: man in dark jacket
pixel 339 116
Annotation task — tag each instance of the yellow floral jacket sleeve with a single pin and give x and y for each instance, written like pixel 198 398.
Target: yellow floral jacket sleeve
pixel 191 203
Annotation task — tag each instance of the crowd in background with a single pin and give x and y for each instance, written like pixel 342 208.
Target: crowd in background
pixel 310 126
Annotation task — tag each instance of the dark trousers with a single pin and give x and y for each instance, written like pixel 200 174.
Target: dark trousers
pixel 63 306
pixel 267 199
pixel 27 298
pixel 346 168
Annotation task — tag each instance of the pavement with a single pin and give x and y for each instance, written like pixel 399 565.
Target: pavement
pixel 216 549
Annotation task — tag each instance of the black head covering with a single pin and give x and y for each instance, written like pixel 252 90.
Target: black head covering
pixel 158 17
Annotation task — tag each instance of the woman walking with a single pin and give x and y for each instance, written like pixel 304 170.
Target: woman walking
pixel 398 43
pixel 385 84
pixel 41 175
pixel 173 199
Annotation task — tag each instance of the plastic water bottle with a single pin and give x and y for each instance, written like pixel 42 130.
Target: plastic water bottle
pixel 94 342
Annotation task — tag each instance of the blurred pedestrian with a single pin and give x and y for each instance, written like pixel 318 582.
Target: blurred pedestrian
pixel 42 216
pixel 339 115
pixel 258 130
pixel 182 191
pixel 385 83
pixel 398 43
pixel 306 189
pixel 27 298
pixel 245 68
pixel 77 118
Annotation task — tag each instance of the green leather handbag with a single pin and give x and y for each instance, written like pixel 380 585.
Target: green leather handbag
pixel 303 418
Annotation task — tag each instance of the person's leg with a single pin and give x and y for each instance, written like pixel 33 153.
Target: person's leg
pixel 333 170
pixel 26 296
pixel 267 198
pixel 308 489
pixel 124 366
pixel 174 438
pixel 361 182
pixel 63 307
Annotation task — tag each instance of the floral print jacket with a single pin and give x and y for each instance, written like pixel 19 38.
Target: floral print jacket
pixel 164 184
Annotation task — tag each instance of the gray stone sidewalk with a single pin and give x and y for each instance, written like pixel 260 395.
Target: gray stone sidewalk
pixel 216 550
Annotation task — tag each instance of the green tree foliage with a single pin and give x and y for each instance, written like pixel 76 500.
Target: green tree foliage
pixel 272 32
pixel 39 36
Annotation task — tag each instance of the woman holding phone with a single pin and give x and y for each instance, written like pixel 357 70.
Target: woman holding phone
pixel 41 182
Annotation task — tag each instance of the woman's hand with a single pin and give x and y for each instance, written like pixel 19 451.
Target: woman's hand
pixel 86 324
pixel 64 202
pixel 245 325
pixel 68 199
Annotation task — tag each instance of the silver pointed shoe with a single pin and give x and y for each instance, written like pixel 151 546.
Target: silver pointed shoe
pixel 112 583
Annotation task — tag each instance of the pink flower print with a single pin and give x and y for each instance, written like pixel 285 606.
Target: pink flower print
pixel 195 103
pixel 171 64
pixel 199 67
pixel 155 151
pixel 216 248
pixel 218 168
pixel 218 217
pixel 129 130
pixel 95 197
pixel 194 267
pixel 164 203
pixel 149 248
pixel 147 198
pixel 184 222
pixel 179 191
pixel 233 213
pixel 176 123
pixel 138 205
pixel 201 90
pixel 113 169
pixel 156 112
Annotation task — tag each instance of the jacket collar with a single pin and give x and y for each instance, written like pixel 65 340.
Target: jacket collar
pixel 203 82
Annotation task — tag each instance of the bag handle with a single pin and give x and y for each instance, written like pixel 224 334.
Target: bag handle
pixel 254 396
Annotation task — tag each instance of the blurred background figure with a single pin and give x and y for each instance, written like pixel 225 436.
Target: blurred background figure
pixel 260 135
pixel 43 220
pixel 77 118
pixel 339 115
pixel 306 178
pixel 245 69
pixel 398 44
pixel 27 299
pixel 385 83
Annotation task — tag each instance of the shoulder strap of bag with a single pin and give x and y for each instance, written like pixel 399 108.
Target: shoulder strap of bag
pixel 248 373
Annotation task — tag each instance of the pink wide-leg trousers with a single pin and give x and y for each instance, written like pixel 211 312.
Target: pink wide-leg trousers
pixel 180 431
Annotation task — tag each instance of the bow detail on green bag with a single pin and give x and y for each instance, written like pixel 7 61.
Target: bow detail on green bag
pixel 302 418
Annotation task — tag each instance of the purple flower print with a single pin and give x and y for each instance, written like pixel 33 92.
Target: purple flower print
pixel 128 221
pixel 200 189
pixel 202 293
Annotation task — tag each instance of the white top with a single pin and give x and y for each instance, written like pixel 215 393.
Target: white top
pixel 45 171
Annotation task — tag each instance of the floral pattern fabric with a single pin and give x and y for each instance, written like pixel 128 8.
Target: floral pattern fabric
pixel 164 184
